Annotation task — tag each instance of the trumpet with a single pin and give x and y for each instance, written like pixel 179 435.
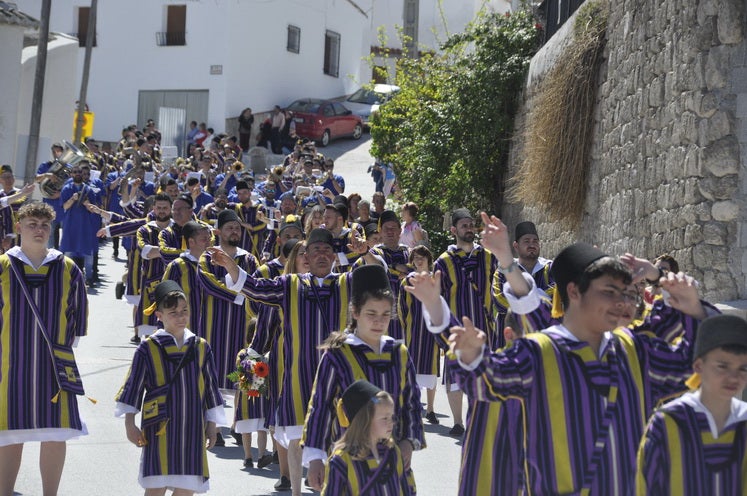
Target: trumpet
pixel 238 166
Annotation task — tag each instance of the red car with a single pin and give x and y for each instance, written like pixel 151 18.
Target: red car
pixel 325 120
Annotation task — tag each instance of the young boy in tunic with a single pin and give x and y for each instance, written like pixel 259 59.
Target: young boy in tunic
pixel 173 382
pixel 696 443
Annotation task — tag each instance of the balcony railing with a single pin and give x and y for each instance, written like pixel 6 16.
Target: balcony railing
pixel 171 38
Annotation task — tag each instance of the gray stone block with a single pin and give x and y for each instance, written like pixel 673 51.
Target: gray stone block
pixel 730 20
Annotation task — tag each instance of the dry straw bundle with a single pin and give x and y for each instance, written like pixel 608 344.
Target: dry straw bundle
pixel 558 135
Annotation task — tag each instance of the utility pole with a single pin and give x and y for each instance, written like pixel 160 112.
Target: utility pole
pixel 32 146
pixel 86 71
pixel 411 24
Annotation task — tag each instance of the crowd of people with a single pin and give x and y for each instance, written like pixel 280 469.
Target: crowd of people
pixel 320 316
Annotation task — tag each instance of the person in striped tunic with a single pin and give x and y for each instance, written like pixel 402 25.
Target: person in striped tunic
pixel 152 265
pixel 171 241
pixel 183 270
pixel 421 344
pixel 34 405
pixel 587 390
pixel 697 443
pixel 252 220
pixel 313 305
pixel 172 382
pixel 467 271
pixel 364 351
pixel 366 460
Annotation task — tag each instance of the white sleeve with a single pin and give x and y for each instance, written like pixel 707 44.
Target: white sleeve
pixel 236 286
pixel 122 409
pixel 445 310
pixel 311 454
pixel 523 305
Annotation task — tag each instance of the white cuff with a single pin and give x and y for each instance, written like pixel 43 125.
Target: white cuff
pixel 3 202
pixel 108 232
pixel 147 249
pixel 239 300
pixel 523 305
pixel 122 409
pixel 238 285
pixel 311 454
pixel 76 341
pixel 474 363
pixel 217 415
pixel 445 319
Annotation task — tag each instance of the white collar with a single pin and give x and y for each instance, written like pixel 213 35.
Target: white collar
pixel 738 410
pixel 188 255
pixel 16 251
pixel 541 263
pixel 154 223
pixel 567 334
pixel 355 340
pixel 187 335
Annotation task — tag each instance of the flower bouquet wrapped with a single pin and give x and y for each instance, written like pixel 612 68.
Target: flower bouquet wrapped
pixel 251 372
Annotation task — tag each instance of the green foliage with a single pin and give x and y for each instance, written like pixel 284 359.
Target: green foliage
pixel 448 130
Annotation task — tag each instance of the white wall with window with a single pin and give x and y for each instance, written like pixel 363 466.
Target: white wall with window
pixel 236 51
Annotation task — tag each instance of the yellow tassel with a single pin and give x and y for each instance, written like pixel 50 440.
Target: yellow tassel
pixel 693 382
pixel 557 305
pixel 56 396
pixel 341 417
pixel 162 430
pixel 149 311
pixel 92 400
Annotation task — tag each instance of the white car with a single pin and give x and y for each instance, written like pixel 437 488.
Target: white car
pixel 365 102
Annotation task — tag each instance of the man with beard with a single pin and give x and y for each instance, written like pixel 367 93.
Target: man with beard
pixel 334 219
pixel 171 241
pixel 209 213
pixel 224 315
pixel 79 235
pixel 467 272
pixel 527 246
pixel 152 264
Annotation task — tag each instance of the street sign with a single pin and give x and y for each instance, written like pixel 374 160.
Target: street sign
pixel 87 124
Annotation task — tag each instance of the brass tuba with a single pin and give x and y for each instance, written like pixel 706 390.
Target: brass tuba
pixel 50 187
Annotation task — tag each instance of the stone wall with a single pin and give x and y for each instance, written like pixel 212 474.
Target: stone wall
pixel 667 173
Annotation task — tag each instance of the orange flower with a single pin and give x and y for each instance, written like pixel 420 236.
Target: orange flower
pixel 261 369
pixel 252 392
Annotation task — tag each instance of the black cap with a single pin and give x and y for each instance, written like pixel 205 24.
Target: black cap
pixel 6 168
pixel 320 235
pixel 459 214
pixel 187 199
pixel 225 216
pixel 290 221
pixel 371 228
pixel 572 261
pixel 369 278
pixel 357 396
pixel 387 216
pixel 288 246
pixel 191 228
pixel 720 330
pixel 340 199
pixel 524 228
pixel 164 288
pixel 241 185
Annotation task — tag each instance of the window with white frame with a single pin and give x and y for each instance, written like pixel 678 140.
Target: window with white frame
pixel 332 53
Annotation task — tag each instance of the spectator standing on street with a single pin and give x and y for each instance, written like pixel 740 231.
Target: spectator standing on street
pixel 246 121
pixel 278 123
pixel 412 232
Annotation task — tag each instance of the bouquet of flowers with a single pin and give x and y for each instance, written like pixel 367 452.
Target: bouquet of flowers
pixel 251 372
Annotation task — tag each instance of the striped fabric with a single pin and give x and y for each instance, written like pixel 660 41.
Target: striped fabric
pixel 346 476
pixel 224 323
pixel 542 280
pixel 271 269
pixel 340 245
pixel 680 455
pixel 576 401
pixel 269 338
pixel 27 373
pixel 251 239
pixel 171 242
pixel 391 370
pixel 151 272
pixel 393 258
pixel 466 285
pixel 183 271
pixel 303 330
pixel 180 448
pixel 421 343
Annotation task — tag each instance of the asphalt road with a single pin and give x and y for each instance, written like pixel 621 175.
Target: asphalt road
pixel 105 463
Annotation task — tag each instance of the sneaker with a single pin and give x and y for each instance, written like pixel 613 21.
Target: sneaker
pixel 135 340
pixel 248 463
pixel 457 430
pixel 237 437
pixel 284 484
pixel 119 290
pixel 219 442
pixel 431 418
pixel 264 461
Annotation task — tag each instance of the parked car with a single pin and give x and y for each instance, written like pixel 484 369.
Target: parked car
pixel 365 102
pixel 325 120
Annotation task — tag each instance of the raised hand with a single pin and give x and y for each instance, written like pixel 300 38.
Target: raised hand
pixel 467 340
pixel 683 294
pixel 640 268
pixel 495 238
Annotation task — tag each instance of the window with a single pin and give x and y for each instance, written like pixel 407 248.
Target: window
pixel 332 53
pixel 294 39
pixel 176 27
pixel 340 109
pixel 83 13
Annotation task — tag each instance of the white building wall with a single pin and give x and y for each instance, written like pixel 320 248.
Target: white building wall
pixel 248 39
pixel 11 44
